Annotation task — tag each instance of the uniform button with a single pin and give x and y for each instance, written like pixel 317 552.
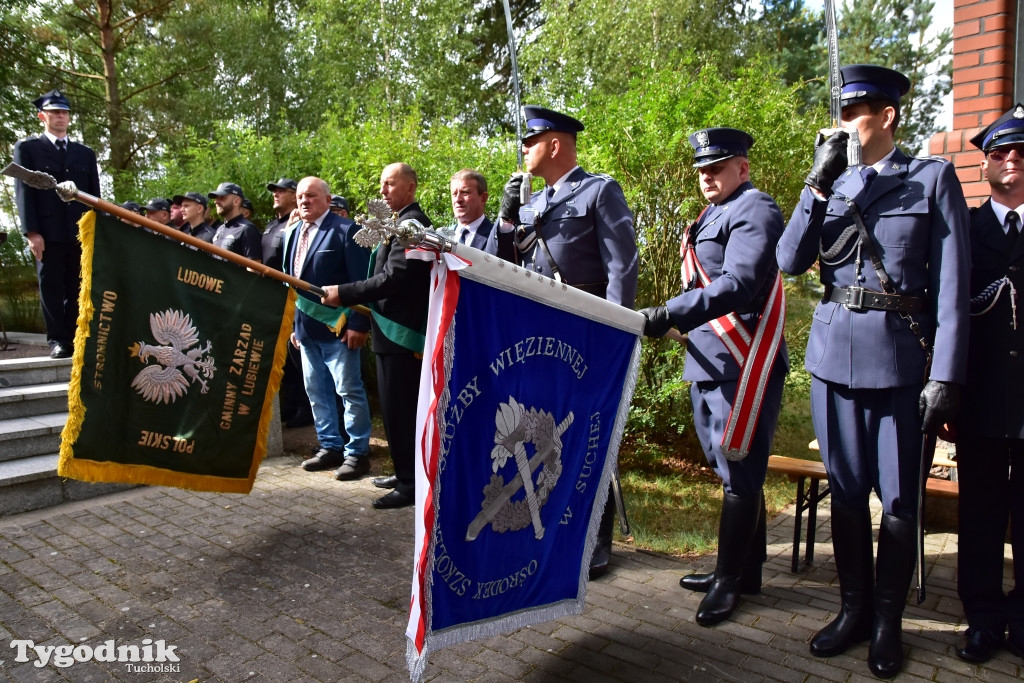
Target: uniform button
pixel 1013 354
pixel 1013 269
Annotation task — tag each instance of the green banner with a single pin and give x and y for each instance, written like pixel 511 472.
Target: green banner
pixel 177 358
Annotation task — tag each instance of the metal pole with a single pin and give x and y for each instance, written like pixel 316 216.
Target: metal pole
pixel 515 82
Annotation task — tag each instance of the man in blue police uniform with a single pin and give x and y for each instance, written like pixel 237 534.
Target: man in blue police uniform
pixel 236 234
pixel 319 249
pixel 193 211
pixel 733 309
pixel 894 255
pixel 397 290
pixel 577 230
pixel 50 225
pixel 989 431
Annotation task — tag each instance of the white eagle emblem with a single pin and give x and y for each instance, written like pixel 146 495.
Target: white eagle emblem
pixel 377 226
pixel 165 383
pixel 1018 113
pixel 702 138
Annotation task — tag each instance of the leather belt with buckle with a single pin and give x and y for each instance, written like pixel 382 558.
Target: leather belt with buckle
pixel 859 299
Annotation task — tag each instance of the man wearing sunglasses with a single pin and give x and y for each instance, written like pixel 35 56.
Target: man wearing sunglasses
pixel 887 346
pixel 989 430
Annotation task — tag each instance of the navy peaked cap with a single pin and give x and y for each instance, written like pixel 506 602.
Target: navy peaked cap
pixel 283 184
pixel 711 145
pixel 867 82
pixel 1008 129
pixel 225 189
pixel 339 202
pixel 52 100
pixel 192 197
pixel 540 120
pixel 158 204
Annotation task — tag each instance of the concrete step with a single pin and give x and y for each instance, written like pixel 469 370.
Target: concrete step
pixel 23 437
pixel 19 372
pixel 32 483
pixel 36 399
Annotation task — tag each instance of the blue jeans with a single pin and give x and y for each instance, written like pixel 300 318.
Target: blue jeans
pixel 330 367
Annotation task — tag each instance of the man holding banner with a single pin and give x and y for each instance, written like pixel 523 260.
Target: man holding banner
pixel 733 309
pixel 397 291
pixel 320 249
pixel 577 230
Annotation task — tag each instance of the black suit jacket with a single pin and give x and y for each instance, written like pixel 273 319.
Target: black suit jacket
pixel 399 286
pixel 42 211
pixel 992 405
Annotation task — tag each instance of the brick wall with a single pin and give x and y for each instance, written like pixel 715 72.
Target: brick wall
pixel 983 61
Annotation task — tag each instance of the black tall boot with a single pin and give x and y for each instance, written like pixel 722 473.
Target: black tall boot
pixel 603 547
pixel 897 554
pixel 851 543
pixel 757 554
pixel 735 531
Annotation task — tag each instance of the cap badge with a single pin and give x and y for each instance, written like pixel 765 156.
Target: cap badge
pixel 1018 113
pixel 702 138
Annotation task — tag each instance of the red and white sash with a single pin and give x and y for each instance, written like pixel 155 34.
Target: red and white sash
pixel 755 356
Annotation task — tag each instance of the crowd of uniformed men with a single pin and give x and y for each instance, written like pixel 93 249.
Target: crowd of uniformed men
pixel 917 330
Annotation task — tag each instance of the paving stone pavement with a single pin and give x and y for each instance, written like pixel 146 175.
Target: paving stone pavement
pixel 303 581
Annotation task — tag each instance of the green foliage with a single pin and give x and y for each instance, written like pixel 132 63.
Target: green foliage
pixel 19 301
pixel 894 33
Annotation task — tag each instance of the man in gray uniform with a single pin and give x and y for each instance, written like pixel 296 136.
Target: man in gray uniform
pixel 887 347
pixel 733 309
pixel 577 230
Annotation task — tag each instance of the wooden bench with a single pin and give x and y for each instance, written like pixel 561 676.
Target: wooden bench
pixel 800 471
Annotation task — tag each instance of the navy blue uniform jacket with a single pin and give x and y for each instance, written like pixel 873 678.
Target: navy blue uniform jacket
pixel 589 231
pixel 735 244
pixel 916 213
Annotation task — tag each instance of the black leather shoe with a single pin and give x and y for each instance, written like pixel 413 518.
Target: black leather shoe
pixel 353 468
pixel 700 583
pixel 980 647
pixel 389 482
pixel 395 499
pixel 58 350
pixel 324 459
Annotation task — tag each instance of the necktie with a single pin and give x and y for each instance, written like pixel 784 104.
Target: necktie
pixel 1012 228
pixel 867 174
pixel 62 145
pixel 300 253
pixel 463 235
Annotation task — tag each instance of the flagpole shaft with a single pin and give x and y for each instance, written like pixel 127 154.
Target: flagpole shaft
pixel 175 234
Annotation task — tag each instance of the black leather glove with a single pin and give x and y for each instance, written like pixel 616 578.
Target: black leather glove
pixel 829 162
pixel 658 322
pixel 938 404
pixel 510 202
